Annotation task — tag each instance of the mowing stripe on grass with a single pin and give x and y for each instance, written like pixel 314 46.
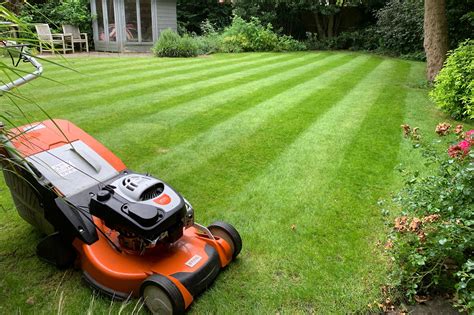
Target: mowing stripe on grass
pixel 339 125
pixel 358 184
pixel 107 82
pixel 152 77
pixel 285 192
pixel 418 102
pixel 124 94
pixel 150 73
pixel 128 101
pixel 84 70
pixel 235 98
pixel 286 124
pixel 93 63
pixel 202 95
pixel 220 138
pixel 205 120
pixel 97 65
pixel 236 90
pixel 385 118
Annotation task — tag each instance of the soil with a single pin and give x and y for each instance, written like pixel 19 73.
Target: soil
pixel 436 306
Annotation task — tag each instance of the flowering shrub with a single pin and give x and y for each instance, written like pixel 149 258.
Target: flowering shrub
pixel 432 242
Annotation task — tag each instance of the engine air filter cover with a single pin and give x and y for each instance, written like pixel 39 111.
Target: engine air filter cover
pixel 140 188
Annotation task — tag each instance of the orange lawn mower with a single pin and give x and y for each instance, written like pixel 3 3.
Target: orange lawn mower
pixel 131 234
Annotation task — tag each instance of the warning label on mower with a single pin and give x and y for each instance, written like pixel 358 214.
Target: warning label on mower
pixel 64 168
pixel 193 261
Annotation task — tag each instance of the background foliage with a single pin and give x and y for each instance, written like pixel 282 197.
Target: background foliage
pixel 400 26
pixel 192 13
pixel 454 86
pixel 460 15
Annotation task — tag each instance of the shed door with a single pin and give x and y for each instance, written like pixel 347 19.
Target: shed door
pixel 138 21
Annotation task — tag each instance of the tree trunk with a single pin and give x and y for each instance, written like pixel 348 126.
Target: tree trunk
pixel 319 27
pixel 337 23
pixel 330 26
pixel 435 36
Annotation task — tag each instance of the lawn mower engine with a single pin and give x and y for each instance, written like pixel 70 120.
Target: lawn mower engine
pixel 131 234
pixel 128 205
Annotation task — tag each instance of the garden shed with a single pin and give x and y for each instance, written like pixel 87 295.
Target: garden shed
pixel 131 25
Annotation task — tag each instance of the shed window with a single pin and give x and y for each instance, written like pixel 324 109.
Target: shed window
pixel 131 20
pixel 111 21
pixel 100 19
pixel 145 16
pixel 138 20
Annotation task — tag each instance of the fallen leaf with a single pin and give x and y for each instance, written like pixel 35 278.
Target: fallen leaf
pixel 30 301
pixel 406 129
pixel 162 150
pixel 421 298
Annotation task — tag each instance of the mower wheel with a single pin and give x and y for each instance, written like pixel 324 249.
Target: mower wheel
pixel 229 234
pixel 161 296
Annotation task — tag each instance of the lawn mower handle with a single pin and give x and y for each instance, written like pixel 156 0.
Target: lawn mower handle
pixel 27 78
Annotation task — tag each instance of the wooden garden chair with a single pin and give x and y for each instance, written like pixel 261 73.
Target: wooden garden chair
pixel 48 40
pixel 77 36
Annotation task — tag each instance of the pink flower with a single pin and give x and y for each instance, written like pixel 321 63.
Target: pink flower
pixel 469 134
pixel 455 151
pixel 464 145
pixel 459 150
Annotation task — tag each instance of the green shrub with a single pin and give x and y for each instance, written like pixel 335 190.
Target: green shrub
pixel 400 26
pixel 454 86
pixel 417 56
pixel 251 35
pixel 288 43
pixel 171 44
pixel 432 241
pixel 364 39
pixel 210 41
pixel 208 44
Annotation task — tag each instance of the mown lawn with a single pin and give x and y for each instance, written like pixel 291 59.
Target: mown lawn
pixel 293 149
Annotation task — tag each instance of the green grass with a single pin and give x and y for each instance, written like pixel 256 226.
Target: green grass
pixel 293 149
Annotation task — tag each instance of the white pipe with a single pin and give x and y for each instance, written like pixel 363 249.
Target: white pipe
pixel 27 78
